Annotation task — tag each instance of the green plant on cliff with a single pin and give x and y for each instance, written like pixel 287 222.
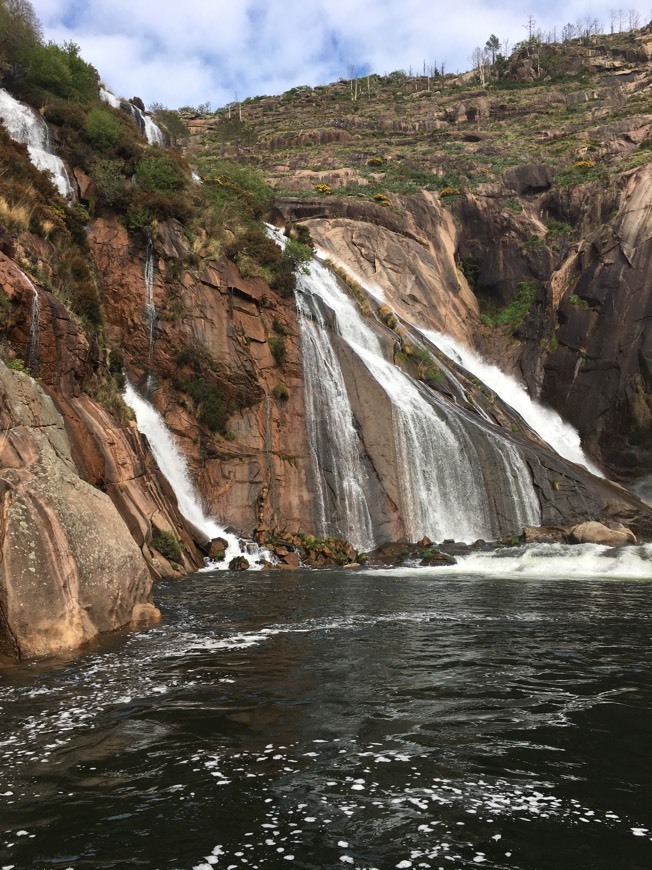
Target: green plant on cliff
pixel 278 349
pixel 515 313
pixel 167 545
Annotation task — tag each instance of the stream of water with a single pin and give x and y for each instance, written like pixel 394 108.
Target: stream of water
pixel 425 719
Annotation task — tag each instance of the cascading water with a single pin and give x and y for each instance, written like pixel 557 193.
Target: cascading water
pixel 150 306
pixel 149 129
pixel 550 427
pixel 441 452
pixel 174 468
pixel 34 329
pixel 336 449
pixel 24 125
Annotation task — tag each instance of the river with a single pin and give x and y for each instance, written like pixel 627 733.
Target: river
pixel 387 719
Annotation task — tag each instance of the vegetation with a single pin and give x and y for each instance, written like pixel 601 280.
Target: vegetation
pixel 167 545
pixel 516 312
pixel 279 351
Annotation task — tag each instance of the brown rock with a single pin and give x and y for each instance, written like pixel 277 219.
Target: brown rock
pixel 291 560
pixel 144 614
pixel 597 533
pixel 69 568
pixel 545 534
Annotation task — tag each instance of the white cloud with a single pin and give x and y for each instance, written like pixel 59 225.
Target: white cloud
pixel 187 53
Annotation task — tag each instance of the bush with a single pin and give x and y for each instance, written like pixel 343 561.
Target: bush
pixel 212 411
pixel 160 174
pixel 109 178
pixel 278 349
pixel 167 545
pixel 281 392
pixel 102 129
pixel 60 70
pixel 514 313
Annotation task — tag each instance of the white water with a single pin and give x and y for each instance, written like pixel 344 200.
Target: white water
pixel 443 491
pixel 548 425
pixel 150 130
pixel 24 125
pixel 108 97
pixel 34 328
pixel 150 306
pixel 552 561
pixel 336 449
pixel 174 468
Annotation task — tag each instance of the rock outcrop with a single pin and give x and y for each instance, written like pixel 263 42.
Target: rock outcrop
pixel 69 567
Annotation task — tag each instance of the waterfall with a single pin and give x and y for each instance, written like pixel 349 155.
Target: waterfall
pixel 174 468
pixel 457 478
pixel 335 445
pixel 150 307
pixel 550 427
pixel 24 125
pixel 148 128
pixel 34 329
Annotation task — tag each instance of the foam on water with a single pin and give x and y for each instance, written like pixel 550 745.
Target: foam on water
pixel 548 561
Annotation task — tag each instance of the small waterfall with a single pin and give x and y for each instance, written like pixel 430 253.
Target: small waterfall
pixel 443 454
pixel 34 329
pixel 174 468
pixel 24 125
pixel 150 130
pixel 150 307
pixel 550 427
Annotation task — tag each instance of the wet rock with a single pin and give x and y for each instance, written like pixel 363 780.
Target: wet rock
pixel 217 549
pixel 238 564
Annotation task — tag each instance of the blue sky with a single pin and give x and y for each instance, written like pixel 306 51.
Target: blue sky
pixel 197 51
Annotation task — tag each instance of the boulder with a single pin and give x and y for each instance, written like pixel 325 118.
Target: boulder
pixel 597 533
pixel 528 178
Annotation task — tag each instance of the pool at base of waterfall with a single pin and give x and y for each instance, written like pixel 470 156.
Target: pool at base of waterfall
pixel 416 718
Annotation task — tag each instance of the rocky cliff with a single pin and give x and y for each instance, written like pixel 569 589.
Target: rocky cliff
pixel 516 220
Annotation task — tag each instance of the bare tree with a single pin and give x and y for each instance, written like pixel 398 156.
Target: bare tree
pixel 530 26
pixel 568 32
pixel 353 79
pixel 480 61
pixel 634 19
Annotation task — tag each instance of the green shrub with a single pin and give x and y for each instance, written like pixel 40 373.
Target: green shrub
pixel 102 129
pixel 167 545
pixel 514 313
pixel 211 410
pixel 281 392
pixel 160 173
pixel 110 181
pixel 278 349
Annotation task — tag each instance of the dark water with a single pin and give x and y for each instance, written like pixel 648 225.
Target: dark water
pixel 336 719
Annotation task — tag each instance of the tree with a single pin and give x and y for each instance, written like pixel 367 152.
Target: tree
pixel 20 32
pixel 530 26
pixel 480 61
pixel 353 78
pixel 492 45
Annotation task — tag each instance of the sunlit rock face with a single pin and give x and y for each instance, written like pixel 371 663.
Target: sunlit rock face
pixel 69 567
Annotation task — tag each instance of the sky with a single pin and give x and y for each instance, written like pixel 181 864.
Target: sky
pixel 214 51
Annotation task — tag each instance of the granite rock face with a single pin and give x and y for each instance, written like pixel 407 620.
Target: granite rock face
pixel 69 567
